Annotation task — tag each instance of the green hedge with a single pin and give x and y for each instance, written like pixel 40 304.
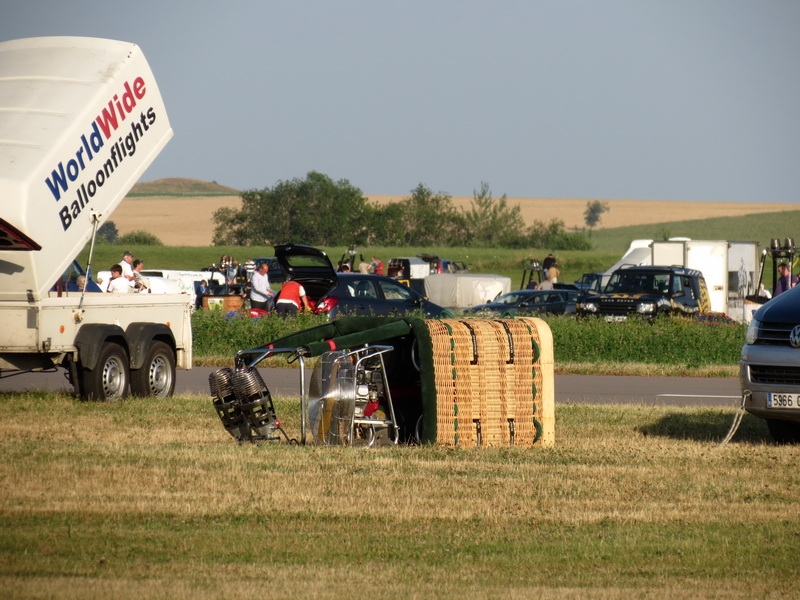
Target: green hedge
pixel 664 341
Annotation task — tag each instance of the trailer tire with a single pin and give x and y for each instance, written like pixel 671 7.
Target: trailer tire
pixel 108 381
pixel 156 377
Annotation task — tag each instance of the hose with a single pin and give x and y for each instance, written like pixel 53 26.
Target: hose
pixel 737 419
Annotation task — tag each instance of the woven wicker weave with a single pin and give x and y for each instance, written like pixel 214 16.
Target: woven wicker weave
pixel 494 382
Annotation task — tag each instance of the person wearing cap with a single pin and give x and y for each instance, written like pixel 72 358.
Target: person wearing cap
pixel 127 268
pixel 785 279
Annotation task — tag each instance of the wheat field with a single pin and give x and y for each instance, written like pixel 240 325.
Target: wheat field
pixel 187 221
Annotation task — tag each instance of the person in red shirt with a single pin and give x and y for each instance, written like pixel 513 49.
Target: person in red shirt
pixel 377 266
pixel 291 297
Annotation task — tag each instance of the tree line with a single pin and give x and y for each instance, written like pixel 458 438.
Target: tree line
pixel 319 211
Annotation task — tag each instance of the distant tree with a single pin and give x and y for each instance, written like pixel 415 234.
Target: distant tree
pixel 594 211
pixel 140 238
pixel 315 210
pixel 430 218
pixel 491 222
pixel 107 232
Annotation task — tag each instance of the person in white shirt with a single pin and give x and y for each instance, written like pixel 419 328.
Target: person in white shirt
pixel 261 294
pixel 118 284
pixel 127 268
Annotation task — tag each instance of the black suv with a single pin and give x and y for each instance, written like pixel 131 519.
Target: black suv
pixel 647 292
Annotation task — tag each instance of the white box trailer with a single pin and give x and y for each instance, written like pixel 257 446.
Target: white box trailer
pixel 456 290
pixel 80 121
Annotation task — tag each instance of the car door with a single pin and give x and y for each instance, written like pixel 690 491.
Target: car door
pixel 396 298
pixel 364 298
pixel 531 305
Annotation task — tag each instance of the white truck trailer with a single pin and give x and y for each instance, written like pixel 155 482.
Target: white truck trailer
pixel 80 121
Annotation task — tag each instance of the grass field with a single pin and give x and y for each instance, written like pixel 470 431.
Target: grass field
pixel 153 499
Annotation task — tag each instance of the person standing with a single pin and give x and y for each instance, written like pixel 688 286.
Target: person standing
pixel 249 268
pixel 261 294
pixel 127 268
pixel 118 284
pixel 139 283
pixel 785 279
pixel 548 262
pixel 291 297
pixel 376 266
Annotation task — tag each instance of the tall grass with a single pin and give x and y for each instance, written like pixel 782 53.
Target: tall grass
pixel 152 498
pixel 591 345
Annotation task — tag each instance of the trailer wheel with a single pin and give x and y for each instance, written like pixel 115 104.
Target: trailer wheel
pixel 157 376
pixel 108 381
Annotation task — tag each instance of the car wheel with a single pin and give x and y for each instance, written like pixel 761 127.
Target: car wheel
pixel 108 381
pixel 156 377
pixel 784 432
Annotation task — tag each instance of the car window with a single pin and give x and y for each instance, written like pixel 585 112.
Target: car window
pixel 510 298
pixel 364 288
pixel 395 291
pixel 533 299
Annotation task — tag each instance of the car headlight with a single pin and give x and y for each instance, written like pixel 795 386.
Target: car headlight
pixel 646 308
pixel 752 332
pixel 587 307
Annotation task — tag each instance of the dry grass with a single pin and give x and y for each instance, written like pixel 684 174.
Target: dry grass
pixel 186 221
pixel 155 499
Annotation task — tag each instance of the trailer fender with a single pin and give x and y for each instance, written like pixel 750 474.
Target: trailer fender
pixel 141 335
pixel 90 340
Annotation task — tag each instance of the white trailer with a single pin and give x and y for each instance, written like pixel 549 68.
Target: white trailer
pixel 80 121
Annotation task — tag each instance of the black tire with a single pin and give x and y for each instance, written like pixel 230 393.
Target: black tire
pixel 156 377
pixel 784 432
pixel 108 381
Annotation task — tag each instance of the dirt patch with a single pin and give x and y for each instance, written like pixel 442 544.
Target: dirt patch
pixel 187 221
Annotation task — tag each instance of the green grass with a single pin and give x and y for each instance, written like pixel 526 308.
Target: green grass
pixel 147 498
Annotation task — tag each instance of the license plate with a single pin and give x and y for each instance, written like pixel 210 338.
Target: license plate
pixel 616 318
pixel 783 401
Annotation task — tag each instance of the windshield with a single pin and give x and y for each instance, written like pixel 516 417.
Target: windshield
pixel 627 282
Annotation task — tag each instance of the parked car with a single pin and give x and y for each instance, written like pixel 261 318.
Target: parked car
pixel 589 282
pixel 769 369
pixel 530 302
pixel 647 292
pixel 352 294
pixel 443 265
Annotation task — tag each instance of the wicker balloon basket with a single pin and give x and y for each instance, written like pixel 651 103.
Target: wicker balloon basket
pixel 493 382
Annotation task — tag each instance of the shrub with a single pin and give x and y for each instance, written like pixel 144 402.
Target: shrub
pixel 220 334
pixel 139 238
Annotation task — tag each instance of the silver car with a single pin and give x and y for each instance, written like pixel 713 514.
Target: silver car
pixel 769 369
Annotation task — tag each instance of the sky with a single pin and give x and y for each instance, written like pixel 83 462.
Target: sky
pixel 691 100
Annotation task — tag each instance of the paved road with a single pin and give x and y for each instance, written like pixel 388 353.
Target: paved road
pixel 576 389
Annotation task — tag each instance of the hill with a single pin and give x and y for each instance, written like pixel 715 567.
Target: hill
pixel 179 211
pixel 178 186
